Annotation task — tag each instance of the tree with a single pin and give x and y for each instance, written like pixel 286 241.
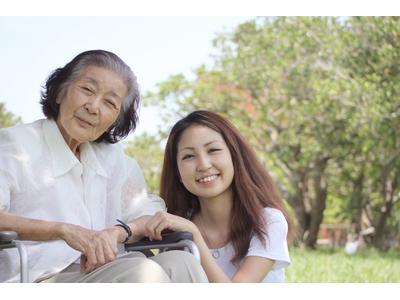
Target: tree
pixel 7 119
pixel 318 100
pixel 373 44
pixel 148 153
pixel 265 82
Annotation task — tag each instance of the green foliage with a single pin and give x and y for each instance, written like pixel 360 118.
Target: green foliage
pixel 7 119
pixel 146 150
pixel 318 99
pixel 335 266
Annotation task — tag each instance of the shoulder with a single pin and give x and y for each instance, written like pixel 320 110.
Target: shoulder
pixel 275 222
pixel 274 245
pixel 273 215
pixel 113 157
pixel 22 136
pixel 21 131
pixel 106 151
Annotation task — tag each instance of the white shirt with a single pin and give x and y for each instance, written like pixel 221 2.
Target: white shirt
pixel 276 248
pixel 40 178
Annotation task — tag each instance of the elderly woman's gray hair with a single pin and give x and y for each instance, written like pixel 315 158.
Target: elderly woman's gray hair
pixel 59 81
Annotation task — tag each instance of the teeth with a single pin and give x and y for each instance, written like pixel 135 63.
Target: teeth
pixel 208 178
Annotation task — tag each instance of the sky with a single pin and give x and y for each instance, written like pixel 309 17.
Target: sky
pixel 154 47
pixel 157 39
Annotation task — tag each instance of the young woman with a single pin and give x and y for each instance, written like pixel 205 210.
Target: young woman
pixel 215 188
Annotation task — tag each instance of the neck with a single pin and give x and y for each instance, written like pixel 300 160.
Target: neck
pixel 74 146
pixel 216 212
pixel 72 143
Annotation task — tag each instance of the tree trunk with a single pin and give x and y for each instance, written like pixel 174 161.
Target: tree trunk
pixel 388 191
pixel 356 202
pixel 319 203
pixel 297 201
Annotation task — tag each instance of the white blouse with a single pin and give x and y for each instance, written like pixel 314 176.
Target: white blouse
pixel 276 248
pixel 40 178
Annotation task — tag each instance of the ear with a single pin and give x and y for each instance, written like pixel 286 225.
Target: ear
pixel 58 100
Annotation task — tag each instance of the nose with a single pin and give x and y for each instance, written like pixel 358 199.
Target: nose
pixel 203 163
pixel 92 105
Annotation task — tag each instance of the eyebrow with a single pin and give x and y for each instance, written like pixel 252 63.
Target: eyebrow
pixel 94 81
pixel 205 145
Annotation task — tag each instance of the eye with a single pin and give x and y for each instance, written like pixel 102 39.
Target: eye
pixel 111 103
pixel 214 150
pixel 187 156
pixel 87 90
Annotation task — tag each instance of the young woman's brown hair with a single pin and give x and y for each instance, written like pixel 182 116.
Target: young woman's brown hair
pixel 253 188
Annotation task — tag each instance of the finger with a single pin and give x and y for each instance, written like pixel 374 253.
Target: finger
pixel 150 226
pixel 158 229
pixel 83 263
pixel 109 254
pixel 163 225
pixel 155 231
pixel 115 249
pixel 100 259
pixel 109 247
pixel 91 261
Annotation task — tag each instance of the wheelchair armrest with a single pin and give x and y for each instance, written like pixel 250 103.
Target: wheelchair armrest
pixel 167 238
pixel 7 236
pixel 170 240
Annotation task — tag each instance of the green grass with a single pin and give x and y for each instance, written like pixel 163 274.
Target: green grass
pixel 328 265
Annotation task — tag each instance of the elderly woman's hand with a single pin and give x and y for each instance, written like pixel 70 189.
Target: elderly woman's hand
pixel 97 247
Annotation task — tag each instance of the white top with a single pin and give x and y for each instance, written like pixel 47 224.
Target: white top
pixel 40 178
pixel 276 248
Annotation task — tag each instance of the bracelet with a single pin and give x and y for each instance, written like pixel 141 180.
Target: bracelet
pixel 127 229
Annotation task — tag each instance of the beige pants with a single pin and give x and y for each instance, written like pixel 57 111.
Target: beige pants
pixel 171 266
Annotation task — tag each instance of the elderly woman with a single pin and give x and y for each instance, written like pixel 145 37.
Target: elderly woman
pixel 65 183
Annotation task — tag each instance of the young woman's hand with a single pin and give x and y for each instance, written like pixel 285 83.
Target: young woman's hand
pixel 163 220
pixel 138 227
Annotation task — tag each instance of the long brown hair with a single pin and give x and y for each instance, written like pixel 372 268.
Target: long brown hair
pixel 252 186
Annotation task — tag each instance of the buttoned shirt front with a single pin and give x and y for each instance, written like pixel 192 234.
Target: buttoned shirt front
pixel 40 178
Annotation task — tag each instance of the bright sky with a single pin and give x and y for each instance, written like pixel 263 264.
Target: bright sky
pixel 154 47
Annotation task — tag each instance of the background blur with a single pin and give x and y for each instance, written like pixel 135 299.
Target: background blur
pixel 319 100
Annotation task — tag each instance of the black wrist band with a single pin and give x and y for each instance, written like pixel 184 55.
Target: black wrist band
pixel 127 229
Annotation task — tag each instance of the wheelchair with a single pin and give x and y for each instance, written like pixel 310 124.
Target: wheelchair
pixel 170 241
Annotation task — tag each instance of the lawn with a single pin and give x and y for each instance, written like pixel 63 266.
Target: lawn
pixel 329 265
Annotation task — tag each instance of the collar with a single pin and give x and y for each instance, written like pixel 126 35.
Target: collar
pixel 62 158
pixel 89 158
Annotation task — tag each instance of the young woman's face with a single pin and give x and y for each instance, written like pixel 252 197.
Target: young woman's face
pixel 204 162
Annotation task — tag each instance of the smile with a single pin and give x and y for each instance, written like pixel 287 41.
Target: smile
pixel 83 121
pixel 207 178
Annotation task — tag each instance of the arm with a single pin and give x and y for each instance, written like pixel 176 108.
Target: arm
pixel 164 220
pixel 30 229
pixel 262 257
pixel 252 269
pixel 97 247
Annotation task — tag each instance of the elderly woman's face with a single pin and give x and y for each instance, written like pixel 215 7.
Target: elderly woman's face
pixel 91 105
